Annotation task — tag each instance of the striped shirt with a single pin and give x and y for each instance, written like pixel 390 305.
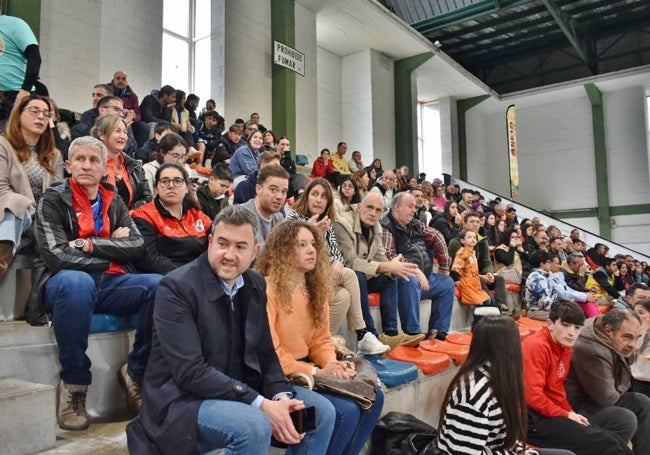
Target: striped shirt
pixel 473 422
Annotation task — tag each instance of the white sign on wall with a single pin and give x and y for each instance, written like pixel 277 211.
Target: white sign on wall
pixel 289 58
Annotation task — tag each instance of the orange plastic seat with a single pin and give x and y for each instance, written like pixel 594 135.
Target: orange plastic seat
pixel 464 339
pixel 374 299
pixel 427 361
pixel 457 352
pixel 200 169
pixel 513 287
pixel 457 293
pixel 531 324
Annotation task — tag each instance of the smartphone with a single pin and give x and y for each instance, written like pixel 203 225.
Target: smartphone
pixel 304 420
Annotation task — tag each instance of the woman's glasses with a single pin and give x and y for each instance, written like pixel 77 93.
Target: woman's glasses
pixel 36 112
pixel 177 181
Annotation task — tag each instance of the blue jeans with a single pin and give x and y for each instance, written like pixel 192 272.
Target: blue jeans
pixel 441 293
pixel 243 429
pixel 387 287
pixel 353 426
pixel 74 296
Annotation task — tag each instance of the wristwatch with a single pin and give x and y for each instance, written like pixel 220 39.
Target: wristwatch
pixel 80 244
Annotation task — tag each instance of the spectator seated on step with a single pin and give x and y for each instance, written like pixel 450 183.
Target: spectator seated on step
pixel 147 152
pixel 213 194
pixel 359 234
pixel 87 242
pixel 419 244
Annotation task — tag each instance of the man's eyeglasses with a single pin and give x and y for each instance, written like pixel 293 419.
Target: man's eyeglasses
pixel 177 182
pixel 36 112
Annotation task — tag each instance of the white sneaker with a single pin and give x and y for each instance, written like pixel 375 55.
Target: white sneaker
pixel 370 345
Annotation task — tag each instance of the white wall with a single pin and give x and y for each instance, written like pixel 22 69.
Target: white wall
pixel 356 103
pixel 556 155
pixel 248 60
pixel 330 120
pixel 84 42
pixel 218 57
pixel 307 90
pixel 383 111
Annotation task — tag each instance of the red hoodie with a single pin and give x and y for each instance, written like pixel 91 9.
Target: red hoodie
pixel 546 366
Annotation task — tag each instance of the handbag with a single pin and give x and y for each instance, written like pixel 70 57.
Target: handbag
pixel 398 433
pixel 361 388
pixel 511 276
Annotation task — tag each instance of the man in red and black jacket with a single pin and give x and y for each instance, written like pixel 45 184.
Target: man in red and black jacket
pixel 86 241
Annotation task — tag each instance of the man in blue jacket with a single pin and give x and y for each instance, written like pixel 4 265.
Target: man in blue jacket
pixel 214 379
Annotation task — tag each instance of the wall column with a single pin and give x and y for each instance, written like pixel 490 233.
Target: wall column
pixel 405 114
pixel 463 106
pixel 283 90
pixel 600 158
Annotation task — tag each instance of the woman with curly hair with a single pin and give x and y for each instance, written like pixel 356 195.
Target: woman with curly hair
pixel 316 207
pixel 296 266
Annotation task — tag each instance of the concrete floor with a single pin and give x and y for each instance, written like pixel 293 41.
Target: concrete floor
pixel 106 436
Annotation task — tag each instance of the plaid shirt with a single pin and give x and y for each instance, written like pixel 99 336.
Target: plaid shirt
pixel 433 239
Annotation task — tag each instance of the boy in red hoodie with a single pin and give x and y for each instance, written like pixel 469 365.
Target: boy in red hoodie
pixel 552 423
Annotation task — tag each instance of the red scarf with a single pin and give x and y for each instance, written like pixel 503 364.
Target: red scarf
pixel 86 221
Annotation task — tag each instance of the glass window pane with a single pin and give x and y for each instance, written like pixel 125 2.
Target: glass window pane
pixel 202 25
pixel 176 15
pixel 175 62
pixel 202 69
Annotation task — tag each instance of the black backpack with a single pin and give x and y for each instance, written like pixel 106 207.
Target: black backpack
pixel 398 433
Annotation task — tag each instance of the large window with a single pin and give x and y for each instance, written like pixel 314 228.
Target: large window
pixel 186 46
pixel 429 141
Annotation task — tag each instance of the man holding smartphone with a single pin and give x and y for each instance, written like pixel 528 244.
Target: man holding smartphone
pixel 213 379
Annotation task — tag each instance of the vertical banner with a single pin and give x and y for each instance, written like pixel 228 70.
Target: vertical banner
pixel 513 164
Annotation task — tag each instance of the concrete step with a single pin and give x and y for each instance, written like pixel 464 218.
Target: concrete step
pixel 27 420
pixel 31 354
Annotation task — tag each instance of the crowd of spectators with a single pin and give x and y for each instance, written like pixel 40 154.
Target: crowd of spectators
pixel 124 211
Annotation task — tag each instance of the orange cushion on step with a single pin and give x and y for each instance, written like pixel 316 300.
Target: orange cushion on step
pixel 200 169
pixel 427 361
pixel 459 338
pixel 374 299
pixel 513 287
pixel 457 352
pixel 531 324
pixel 457 293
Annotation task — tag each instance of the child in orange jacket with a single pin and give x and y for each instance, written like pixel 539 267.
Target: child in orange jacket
pixel 464 271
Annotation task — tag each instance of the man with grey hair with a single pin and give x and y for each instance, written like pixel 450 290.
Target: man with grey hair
pixel 86 240
pixel 600 375
pixel 214 376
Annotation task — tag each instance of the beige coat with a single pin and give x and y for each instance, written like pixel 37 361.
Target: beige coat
pixel 359 255
pixel 15 193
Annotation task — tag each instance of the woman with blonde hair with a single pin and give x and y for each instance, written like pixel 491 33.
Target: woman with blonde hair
pixel 124 173
pixel 316 207
pixel 296 266
pixel 29 164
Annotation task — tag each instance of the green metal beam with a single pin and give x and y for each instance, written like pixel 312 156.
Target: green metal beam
pixel 283 87
pixel 568 27
pixel 462 106
pixel 405 118
pixel 27 10
pixel 600 157
pixel 465 14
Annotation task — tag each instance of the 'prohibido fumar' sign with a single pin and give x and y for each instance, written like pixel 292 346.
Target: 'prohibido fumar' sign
pixel 288 57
